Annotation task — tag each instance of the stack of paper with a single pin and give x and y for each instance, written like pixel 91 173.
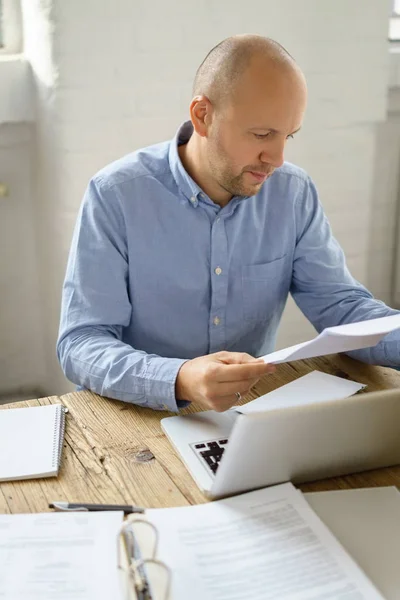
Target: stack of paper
pixel 266 544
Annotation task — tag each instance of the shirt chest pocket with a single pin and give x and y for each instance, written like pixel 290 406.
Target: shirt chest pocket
pixel 264 288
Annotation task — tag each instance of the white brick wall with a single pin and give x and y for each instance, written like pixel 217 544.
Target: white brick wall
pixel 384 242
pixel 115 76
pixel 21 346
pixel 16 84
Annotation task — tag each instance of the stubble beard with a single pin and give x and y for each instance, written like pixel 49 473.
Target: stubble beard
pixel 233 184
pixel 236 185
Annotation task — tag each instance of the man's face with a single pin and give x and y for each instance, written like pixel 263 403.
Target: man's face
pixel 246 139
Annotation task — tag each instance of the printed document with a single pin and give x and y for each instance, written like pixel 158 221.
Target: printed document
pixel 55 556
pixel 262 545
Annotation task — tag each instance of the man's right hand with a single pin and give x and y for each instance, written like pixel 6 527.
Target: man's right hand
pixel 213 380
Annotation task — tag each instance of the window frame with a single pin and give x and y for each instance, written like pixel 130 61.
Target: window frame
pixel 11 27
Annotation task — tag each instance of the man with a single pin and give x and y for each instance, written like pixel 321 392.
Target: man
pixel 184 252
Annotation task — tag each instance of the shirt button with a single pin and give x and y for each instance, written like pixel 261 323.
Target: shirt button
pixel 216 321
pixel 193 199
pixel 218 220
pixel 218 271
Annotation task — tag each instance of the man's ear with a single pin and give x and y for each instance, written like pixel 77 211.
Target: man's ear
pixel 201 111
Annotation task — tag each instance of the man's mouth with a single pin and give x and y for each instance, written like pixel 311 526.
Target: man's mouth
pixel 260 177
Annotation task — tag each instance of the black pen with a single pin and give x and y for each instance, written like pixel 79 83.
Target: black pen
pixel 80 506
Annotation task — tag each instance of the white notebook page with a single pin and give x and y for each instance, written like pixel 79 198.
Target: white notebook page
pixel 30 440
pixel 55 556
pixel 262 545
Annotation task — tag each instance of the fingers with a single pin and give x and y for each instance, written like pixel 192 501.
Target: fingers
pixel 225 403
pixel 230 388
pixel 234 357
pixel 223 395
pixel 213 381
pixel 240 372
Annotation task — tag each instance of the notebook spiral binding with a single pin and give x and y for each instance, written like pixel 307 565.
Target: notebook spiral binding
pixel 59 429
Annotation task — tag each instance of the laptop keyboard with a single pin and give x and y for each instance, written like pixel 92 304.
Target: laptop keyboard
pixel 210 452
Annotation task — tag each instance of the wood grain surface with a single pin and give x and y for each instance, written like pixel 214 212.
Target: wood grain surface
pixel 115 452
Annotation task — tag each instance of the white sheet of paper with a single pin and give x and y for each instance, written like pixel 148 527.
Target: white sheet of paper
pixel 343 338
pixel 56 556
pixel 313 388
pixel 262 545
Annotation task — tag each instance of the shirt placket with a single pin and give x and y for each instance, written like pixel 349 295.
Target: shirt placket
pixel 219 285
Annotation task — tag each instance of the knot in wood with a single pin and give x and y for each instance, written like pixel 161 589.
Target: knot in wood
pixel 143 455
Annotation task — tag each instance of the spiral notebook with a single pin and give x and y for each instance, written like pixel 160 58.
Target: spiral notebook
pixel 31 441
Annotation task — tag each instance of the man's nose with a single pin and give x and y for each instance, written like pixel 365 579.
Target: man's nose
pixel 274 154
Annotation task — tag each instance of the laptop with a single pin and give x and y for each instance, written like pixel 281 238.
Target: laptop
pixel 236 451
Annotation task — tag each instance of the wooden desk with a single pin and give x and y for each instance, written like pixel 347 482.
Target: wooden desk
pixel 116 453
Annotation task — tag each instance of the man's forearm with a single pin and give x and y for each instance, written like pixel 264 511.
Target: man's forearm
pixel 111 368
pixel 385 354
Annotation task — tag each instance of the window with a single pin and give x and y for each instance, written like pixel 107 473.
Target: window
pixel 394 22
pixel 10 27
pixel 1 25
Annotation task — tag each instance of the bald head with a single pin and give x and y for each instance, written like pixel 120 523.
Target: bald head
pixel 249 100
pixel 224 66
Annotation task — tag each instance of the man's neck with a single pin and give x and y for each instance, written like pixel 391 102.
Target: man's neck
pixel 192 161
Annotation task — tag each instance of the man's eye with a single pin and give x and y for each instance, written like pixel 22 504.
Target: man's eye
pixel 262 136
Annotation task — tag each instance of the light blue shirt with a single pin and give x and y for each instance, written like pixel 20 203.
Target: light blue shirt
pixel 158 274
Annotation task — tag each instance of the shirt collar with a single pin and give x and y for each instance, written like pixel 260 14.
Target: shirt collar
pixel 187 186
pixel 185 183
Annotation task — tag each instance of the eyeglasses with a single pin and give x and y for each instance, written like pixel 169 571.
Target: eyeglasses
pixel 146 578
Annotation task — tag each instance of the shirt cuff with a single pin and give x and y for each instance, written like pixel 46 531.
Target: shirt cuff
pixel 159 385
pixel 182 403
